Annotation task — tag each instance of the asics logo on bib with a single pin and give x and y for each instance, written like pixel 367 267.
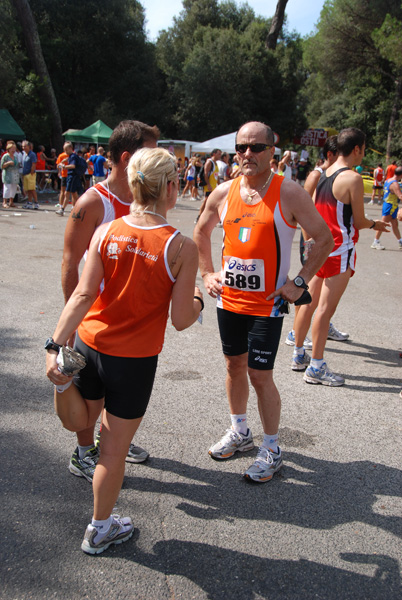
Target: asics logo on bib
pixel 241 267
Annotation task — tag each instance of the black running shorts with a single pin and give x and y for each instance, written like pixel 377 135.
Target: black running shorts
pixel 125 383
pixel 259 336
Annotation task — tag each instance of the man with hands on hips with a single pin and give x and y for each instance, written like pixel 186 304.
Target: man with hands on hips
pixel 259 213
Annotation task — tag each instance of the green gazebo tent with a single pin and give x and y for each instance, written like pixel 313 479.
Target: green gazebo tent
pixel 9 129
pixel 97 133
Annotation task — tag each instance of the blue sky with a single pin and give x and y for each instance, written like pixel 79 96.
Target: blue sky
pixel 302 14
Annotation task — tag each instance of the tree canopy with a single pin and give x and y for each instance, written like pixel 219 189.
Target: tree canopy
pixel 210 71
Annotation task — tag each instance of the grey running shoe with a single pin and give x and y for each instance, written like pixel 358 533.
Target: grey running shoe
pixel 300 361
pixel 264 467
pixel 335 334
pixel 323 375
pixel 120 531
pixel 230 443
pixel 136 454
pixel 84 467
pixel 70 361
pixel 290 341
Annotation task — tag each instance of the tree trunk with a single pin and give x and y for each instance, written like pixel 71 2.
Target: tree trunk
pixel 394 115
pixel 276 24
pixel 32 41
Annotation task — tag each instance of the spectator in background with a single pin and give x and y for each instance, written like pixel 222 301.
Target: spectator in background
pixel 285 166
pixel 274 165
pixel 63 177
pixel 41 166
pixel 224 168
pixel 378 183
pixel 236 171
pixel 90 170
pixel 99 165
pixel 29 175
pixel 51 166
pixel 19 155
pixel 189 176
pixel 390 172
pixel 302 171
pixel 73 184
pixel 10 174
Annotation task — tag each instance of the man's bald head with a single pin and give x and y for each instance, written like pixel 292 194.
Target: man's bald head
pixel 256 128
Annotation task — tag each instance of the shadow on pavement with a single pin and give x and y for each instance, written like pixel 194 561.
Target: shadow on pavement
pixel 309 492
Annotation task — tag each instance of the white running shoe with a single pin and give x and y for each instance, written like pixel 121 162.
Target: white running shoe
pixel 336 335
pixel 230 443
pixel 300 361
pixel 290 341
pixel 376 245
pixel 120 531
pixel 264 467
pixel 322 375
pixel 136 454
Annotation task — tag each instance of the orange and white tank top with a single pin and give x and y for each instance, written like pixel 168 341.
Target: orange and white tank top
pixel 257 242
pixel 129 317
pixel 114 208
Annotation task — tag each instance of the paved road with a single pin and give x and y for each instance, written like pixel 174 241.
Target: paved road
pixel 327 527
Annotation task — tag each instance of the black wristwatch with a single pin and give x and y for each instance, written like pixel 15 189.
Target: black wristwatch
pixel 299 282
pixel 51 345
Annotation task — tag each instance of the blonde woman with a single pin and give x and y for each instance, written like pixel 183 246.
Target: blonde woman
pixel 145 264
pixel 10 174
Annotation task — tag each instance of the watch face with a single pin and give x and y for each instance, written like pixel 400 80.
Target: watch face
pixel 298 281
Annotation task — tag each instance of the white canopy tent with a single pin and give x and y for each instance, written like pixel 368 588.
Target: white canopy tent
pixel 226 143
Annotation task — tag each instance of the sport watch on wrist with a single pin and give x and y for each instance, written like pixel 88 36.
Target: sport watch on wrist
pixel 299 282
pixel 51 345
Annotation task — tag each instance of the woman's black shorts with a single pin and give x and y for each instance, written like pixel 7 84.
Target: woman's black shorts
pixel 125 383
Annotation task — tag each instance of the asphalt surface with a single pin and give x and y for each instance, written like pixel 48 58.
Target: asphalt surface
pixel 328 526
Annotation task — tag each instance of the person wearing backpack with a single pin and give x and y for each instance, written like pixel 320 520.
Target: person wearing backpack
pixel 76 167
pixel 100 163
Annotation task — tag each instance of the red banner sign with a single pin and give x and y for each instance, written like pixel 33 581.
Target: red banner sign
pixel 312 137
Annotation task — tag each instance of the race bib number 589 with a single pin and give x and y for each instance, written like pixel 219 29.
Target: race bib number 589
pixel 244 274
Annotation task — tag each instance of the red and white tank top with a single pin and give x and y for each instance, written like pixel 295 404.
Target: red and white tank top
pixel 114 208
pixel 337 215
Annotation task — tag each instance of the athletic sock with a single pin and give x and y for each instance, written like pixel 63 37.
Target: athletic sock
pixel 316 363
pixel 298 351
pixel 82 450
pixel 102 526
pixel 239 423
pixel 270 442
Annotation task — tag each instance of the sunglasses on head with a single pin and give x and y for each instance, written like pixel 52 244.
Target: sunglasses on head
pixel 256 148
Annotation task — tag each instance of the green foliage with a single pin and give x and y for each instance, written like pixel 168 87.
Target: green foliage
pixel 353 65
pixel 388 40
pixel 99 61
pixel 220 74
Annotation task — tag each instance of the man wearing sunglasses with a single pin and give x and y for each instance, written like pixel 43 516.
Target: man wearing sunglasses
pixel 259 213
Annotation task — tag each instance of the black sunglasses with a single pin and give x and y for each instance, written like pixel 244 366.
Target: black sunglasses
pixel 256 148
